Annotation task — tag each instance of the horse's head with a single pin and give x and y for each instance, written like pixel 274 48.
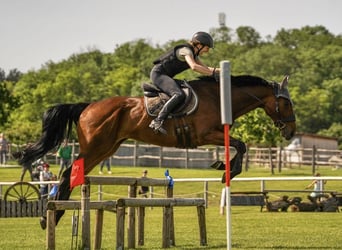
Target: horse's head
pixel 280 109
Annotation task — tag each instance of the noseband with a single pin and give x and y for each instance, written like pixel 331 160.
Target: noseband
pixel 282 93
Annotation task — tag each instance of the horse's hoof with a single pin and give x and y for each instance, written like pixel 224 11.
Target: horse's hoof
pixel 42 222
pixel 218 165
pixel 223 180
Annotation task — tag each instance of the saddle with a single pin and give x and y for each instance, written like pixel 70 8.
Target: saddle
pixel 154 100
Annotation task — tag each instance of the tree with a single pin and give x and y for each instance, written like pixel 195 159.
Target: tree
pixel 335 130
pixel 268 61
pixel 256 128
pixel 221 34
pixel 8 101
pixel 248 36
pixel 315 37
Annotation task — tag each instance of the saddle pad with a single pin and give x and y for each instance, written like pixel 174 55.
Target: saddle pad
pixel 154 104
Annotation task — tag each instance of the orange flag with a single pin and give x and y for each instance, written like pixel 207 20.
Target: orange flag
pixel 77 173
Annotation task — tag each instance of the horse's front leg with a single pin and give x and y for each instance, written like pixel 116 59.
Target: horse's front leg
pixel 235 163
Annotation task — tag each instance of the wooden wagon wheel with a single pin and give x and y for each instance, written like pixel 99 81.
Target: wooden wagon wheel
pixel 22 192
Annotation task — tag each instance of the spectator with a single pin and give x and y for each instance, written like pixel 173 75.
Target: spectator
pixel 143 190
pixel 45 175
pixel 54 188
pixel 4 147
pixel 28 167
pixel 64 152
pixel 318 188
pixel 105 162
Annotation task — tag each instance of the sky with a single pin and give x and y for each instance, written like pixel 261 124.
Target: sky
pixel 33 32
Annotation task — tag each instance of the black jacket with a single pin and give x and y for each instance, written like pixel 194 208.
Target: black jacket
pixel 170 63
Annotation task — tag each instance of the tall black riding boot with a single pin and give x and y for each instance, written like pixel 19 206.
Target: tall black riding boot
pixel 157 124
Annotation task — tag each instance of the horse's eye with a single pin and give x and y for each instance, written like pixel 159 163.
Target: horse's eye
pixel 287 103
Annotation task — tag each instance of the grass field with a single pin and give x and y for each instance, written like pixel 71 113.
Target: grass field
pixel 251 229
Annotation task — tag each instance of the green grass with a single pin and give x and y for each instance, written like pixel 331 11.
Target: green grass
pixel 251 229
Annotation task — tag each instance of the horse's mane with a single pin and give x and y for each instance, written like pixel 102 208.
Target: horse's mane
pixel 241 80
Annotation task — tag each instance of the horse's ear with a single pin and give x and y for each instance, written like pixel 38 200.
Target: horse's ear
pixel 285 82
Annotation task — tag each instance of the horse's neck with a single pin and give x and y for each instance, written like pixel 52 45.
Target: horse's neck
pixel 246 99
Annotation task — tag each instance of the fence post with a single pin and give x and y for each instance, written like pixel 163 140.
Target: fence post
pixel 313 159
pixel 120 226
pixel 280 159
pixel 135 152
pixel 206 187
pixel 85 208
pixel 98 228
pixel 141 226
pixel 247 158
pixel 160 157
pixel 50 229
pixel 202 225
pixel 169 220
pixel 166 226
pixel 131 218
pixel 270 159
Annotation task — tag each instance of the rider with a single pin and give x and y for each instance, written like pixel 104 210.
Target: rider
pixel 180 58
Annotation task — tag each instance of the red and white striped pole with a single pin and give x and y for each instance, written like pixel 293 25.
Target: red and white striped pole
pixel 226 118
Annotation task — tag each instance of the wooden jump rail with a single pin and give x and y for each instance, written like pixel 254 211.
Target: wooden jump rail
pixel 120 206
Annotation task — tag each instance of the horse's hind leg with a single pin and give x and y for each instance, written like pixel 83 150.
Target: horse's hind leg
pixel 64 191
pixel 62 194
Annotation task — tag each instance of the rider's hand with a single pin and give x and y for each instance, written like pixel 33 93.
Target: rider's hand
pixel 216 75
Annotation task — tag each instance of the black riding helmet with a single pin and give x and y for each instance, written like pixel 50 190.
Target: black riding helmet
pixel 203 38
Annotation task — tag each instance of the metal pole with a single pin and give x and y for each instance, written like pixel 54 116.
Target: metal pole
pixel 226 118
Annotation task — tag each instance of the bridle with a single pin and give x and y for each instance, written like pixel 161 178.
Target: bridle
pixel 282 93
pixel 280 123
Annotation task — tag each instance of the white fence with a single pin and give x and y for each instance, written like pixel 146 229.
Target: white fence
pixel 262 180
pixel 140 154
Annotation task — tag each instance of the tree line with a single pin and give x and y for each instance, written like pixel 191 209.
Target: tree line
pixel 312 56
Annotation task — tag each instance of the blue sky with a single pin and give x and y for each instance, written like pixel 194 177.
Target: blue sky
pixel 36 31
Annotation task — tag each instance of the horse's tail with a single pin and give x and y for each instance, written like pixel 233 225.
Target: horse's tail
pixel 57 124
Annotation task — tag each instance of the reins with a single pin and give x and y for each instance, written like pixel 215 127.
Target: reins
pixel 281 122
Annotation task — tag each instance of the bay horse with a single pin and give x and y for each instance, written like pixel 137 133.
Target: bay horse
pixel 103 125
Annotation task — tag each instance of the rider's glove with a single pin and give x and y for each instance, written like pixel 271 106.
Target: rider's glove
pixel 217 76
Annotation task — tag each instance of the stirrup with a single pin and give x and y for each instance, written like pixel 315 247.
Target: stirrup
pixel 156 125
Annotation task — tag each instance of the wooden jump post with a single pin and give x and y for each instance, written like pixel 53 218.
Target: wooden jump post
pixel 167 203
pixel 53 206
pixel 141 203
pixel 133 183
